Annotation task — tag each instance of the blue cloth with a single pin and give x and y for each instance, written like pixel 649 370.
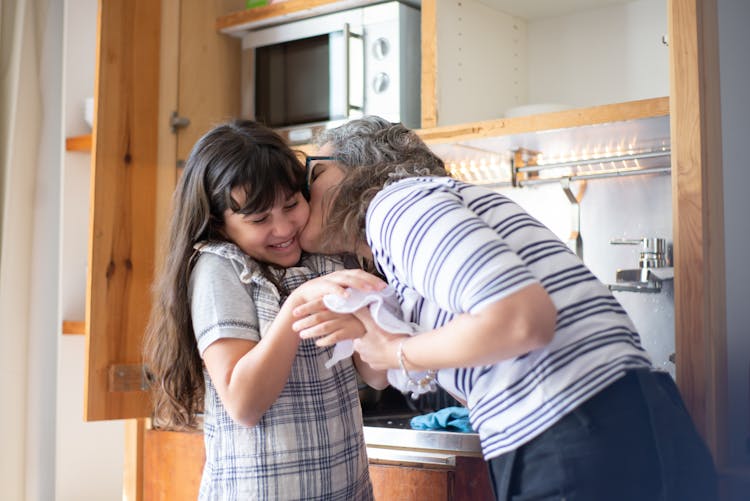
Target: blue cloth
pixel 448 419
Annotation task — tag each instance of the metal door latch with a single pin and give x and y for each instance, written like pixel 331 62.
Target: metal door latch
pixel 177 122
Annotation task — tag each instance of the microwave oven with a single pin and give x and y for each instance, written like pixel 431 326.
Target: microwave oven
pixel 319 72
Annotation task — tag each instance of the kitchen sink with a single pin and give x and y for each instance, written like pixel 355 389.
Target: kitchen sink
pixel 389 421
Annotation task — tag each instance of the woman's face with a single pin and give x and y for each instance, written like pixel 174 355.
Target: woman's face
pixel 272 236
pixel 325 176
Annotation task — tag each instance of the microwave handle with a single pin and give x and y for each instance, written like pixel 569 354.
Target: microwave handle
pixel 348 106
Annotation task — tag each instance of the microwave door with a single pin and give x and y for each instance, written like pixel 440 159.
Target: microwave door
pixel 346 74
pixel 308 71
pixel 355 73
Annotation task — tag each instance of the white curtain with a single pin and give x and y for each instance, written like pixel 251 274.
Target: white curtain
pixel 21 112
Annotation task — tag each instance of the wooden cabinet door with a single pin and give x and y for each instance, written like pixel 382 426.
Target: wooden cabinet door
pixel 467 480
pixel 121 232
pixel 153 58
pixel 209 70
pixel 405 483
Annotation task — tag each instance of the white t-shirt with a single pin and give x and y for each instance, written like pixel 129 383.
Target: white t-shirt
pixel 449 247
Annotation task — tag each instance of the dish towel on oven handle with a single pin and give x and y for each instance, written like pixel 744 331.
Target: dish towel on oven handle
pixel 386 313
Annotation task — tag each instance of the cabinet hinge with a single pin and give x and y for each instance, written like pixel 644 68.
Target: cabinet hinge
pixel 128 377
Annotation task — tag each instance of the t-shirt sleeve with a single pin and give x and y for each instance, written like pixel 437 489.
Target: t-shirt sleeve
pixel 220 304
pixel 426 237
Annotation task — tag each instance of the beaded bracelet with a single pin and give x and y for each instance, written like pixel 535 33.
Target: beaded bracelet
pixel 424 384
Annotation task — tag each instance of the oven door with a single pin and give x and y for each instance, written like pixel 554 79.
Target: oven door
pixel 306 72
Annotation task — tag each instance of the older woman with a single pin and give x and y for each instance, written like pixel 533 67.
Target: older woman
pixel 558 386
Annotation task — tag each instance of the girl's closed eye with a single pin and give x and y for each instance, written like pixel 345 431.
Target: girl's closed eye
pixel 256 218
pixel 291 203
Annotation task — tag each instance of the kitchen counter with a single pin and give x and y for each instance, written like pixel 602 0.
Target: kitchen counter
pixel 424 464
pixel 391 439
pixel 462 444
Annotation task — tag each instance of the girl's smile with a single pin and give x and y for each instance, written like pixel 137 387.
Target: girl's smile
pixel 271 236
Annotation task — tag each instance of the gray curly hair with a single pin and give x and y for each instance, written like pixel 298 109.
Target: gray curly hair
pixel 373 153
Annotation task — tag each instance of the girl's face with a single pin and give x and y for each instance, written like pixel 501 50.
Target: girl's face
pixel 325 176
pixel 272 236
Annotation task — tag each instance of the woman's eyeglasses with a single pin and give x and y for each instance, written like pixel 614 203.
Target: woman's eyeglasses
pixel 310 168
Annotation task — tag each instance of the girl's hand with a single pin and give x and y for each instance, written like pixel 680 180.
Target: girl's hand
pixel 327 326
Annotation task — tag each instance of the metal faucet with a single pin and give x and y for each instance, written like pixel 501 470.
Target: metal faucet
pixel 653 266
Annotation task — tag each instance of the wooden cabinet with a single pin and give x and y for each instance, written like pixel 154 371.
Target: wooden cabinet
pixel 541 55
pixel 145 50
pixel 467 480
pixel 173 464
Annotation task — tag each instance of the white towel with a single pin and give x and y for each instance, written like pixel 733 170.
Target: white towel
pixel 386 313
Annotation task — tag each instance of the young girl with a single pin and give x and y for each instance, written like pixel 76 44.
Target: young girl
pixel 277 423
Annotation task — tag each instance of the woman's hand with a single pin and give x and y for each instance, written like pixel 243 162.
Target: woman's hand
pixel 377 348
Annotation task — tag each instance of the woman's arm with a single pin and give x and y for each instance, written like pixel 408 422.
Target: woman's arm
pixel 510 327
pixel 434 244
pixel 249 376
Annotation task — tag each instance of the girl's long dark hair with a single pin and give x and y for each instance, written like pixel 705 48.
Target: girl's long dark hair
pixel 241 154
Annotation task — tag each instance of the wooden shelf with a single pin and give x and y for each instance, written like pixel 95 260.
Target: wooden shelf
pixel 73 327
pixel 495 135
pixel 78 143
pixel 579 117
pixel 238 22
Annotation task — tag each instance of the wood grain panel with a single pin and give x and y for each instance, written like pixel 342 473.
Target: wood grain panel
pixel 132 472
pixel 429 64
pixel 173 465
pixel 392 483
pixel 121 232
pixel 73 327
pixel 698 222
pixel 578 117
pixel 288 10
pixel 209 72
pixel 78 143
pixel 168 92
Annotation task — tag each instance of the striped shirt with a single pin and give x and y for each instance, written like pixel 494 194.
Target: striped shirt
pixel 448 248
pixel 309 444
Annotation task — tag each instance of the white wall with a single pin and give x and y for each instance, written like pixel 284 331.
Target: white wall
pixel 491 61
pixel 629 207
pixel 598 56
pixel 89 456
pixel 734 43
pixel 43 320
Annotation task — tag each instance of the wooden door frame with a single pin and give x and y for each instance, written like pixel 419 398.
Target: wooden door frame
pixel 698 217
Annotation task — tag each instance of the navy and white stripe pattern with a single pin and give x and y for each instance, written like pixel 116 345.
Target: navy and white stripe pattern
pixel 309 444
pixel 449 247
